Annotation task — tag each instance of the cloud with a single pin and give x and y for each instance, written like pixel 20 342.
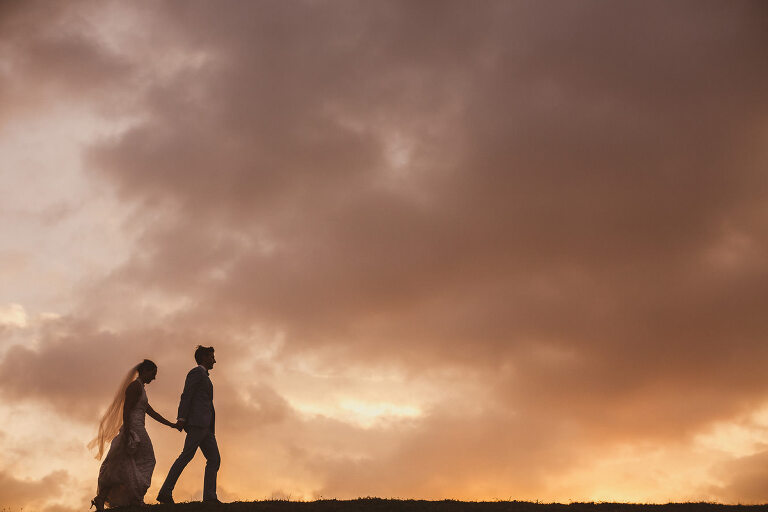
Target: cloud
pixel 76 367
pixel 21 493
pixel 64 58
pixel 551 202
pixel 563 205
pixel 13 315
pixel 453 455
pixel 745 479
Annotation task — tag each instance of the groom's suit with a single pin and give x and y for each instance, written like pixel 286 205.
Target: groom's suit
pixel 196 404
pixel 196 409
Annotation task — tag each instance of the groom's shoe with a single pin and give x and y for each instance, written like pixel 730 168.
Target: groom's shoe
pixel 165 498
pixel 212 500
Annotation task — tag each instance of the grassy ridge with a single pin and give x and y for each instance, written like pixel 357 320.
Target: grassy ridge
pixel 383 505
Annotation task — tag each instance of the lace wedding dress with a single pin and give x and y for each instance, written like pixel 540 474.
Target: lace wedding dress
pixel 126 472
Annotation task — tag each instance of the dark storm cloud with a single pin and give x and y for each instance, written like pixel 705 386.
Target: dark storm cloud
pixel 566 196
pixel 569 170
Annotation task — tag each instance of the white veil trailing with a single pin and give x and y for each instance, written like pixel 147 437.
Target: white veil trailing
pixel 112 420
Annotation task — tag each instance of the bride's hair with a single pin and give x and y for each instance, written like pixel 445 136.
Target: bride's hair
pixel 112 419
pixel 145 365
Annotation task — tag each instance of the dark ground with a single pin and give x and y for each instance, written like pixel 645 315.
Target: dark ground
pixel 382 505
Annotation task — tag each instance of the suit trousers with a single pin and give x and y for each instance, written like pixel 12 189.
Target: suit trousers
pixel 205 439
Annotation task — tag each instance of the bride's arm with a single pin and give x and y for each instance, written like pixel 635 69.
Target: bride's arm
pixel 157 417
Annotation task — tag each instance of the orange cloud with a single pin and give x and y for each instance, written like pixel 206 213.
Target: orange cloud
pixel 22 493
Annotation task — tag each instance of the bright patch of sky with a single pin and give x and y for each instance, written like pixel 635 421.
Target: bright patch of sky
pixel 738 438
pixel 13 315
pixel 58 228
pixel 29 426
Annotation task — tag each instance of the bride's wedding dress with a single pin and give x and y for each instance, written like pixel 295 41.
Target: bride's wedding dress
pixel 126 472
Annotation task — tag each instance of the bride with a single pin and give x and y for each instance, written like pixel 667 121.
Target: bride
pixel 126 472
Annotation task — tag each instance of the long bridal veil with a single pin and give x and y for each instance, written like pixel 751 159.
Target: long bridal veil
pixel 110 423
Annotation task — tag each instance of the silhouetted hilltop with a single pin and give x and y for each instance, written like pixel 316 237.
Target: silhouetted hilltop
pixel 384 505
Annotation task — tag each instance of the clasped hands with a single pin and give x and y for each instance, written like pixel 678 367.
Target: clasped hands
pixel 179 425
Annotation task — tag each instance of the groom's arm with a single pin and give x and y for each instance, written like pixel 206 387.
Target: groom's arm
pixel 191 385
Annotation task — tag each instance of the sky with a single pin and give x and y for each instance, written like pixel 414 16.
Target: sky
pixel 443 249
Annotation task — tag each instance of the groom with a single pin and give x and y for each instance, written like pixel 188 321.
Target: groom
pixel 198 418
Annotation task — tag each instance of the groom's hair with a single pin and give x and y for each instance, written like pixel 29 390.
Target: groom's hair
pixel 202 351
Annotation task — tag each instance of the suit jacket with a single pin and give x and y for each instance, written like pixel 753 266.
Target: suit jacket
pixel 196 404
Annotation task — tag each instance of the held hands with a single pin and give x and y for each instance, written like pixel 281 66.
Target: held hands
pixel 179 425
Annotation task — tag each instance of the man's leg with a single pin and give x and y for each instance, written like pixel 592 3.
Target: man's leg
pixel 210 450
pixel 194 436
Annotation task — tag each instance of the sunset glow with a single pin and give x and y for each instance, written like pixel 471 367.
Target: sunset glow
pixel 511 250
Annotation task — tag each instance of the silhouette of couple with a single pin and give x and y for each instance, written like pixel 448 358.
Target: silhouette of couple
pixel 126 473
